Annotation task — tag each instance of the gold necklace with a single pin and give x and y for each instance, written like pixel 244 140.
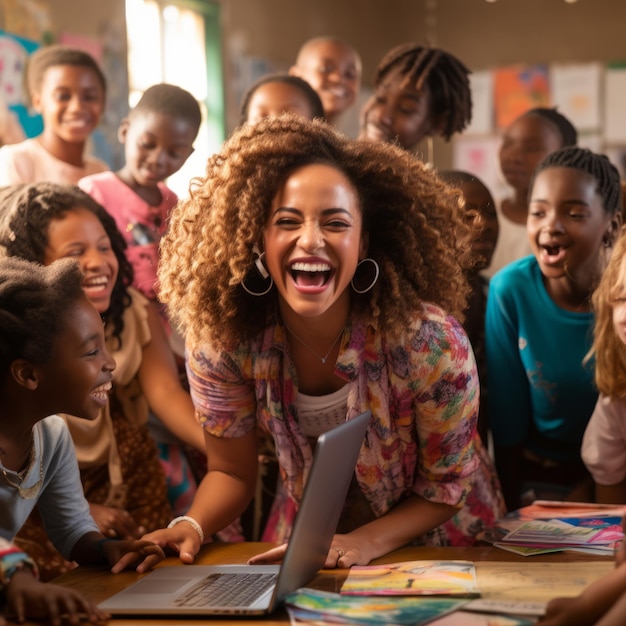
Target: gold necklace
pixel 28 493
pixel 308 347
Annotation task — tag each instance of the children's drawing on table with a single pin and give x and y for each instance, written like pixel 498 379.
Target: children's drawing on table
pixel 413 578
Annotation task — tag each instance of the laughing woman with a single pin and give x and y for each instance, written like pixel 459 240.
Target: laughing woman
pixel 317 295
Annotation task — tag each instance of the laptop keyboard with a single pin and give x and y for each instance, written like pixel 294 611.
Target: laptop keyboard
pixel 227 590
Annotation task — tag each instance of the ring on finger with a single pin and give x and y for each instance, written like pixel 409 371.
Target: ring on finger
pixel 340 551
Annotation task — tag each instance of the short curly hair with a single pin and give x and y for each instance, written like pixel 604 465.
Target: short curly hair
pixel 411 218
pixel 25 215
pixel 34 301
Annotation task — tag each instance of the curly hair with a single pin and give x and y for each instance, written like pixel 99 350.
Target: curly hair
pixel 411 218
pixel 25 215
pixel 608 348
pixel 446 77
pixel 33 307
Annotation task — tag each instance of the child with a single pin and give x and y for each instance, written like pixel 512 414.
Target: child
pixel 333 69
pixel 538 328
pixel 530 138
pixel 120 471
pixel 481 213
pixel 280 93
pixel 419 93
pixel 68 88
pixel 604 443
pixel 158 137
pixel 53 358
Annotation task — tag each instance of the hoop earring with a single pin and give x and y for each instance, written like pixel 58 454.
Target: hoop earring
pixel 373 281
pixel 260 268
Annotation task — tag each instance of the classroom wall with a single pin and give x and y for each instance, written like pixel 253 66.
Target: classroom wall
pixel 482 34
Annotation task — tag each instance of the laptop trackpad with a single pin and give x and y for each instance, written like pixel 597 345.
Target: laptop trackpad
pixel 166 586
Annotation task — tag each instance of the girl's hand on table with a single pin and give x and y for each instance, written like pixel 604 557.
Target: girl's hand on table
pixel 28 598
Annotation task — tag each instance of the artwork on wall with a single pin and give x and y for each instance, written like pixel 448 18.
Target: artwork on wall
pixel 575 90
pixel 14 51
pixel 519 88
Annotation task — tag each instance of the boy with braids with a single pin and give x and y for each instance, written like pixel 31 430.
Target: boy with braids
pixel 538 329
pixel 419 92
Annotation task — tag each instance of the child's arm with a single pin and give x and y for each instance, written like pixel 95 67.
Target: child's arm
pixel 611 494
pixel 593 603
pixel 27 597
pixel 93 549
pixel 161 385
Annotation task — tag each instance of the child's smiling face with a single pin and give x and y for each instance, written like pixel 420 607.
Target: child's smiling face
pixel 71 102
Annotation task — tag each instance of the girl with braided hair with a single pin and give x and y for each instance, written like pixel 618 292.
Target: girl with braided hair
pixel 538 329
pixel 525 143
pixel 419 92
pixel 306 270
pixel 53 358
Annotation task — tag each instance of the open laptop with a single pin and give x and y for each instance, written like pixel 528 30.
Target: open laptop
pixel 189 590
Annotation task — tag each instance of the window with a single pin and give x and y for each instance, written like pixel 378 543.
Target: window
pixel 178 42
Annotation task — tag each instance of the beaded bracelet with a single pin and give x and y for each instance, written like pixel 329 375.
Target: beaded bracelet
pixel 190 520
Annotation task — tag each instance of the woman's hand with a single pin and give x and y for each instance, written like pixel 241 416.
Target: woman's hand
pixel 114 522
pixel 28 598
pixel 344 552
pixel 181 538
pixel 140 554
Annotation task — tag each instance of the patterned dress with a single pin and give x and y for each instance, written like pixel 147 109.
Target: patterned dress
pixel 422 389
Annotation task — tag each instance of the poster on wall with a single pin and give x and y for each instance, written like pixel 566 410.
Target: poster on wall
pixel 518 88
pixel 14 52
pixel 576 93
pixel 481 85
pixel 614 99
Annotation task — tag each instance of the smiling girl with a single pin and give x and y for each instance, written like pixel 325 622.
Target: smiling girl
pixel 120 470
pixel 538 328
pixel 68 88
pixel 53 358
pixel 314 297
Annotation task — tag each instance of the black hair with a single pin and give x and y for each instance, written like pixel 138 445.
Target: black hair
pixel 597 165
pixel 25 215
pixel 34 302
pixel 315 103
pixel 169 100
pixel 57 54
pixel 445 76
pixel 457 177
pixel 568 132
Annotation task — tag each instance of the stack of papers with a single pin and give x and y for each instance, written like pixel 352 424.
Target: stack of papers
pixel 548 526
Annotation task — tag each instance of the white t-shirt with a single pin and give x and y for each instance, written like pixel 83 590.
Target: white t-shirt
pixel 604 443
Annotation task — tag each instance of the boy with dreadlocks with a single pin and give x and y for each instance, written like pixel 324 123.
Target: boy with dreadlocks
pixel 420 92
pixel 538 329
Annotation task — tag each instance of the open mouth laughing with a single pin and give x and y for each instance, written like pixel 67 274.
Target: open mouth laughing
pixel 307 276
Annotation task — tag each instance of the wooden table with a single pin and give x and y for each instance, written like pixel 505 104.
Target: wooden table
pixel 500 574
